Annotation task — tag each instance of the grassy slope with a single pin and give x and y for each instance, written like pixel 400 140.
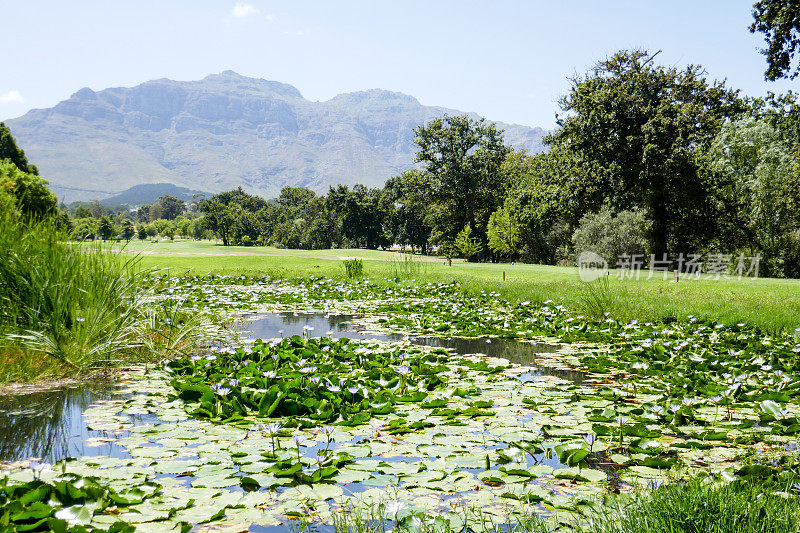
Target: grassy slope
pixel 770 303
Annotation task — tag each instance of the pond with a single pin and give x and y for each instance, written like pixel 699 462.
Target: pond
pixel 50 425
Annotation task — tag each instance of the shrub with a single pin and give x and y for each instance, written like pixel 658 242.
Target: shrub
pixel 353 268
pixel 610 235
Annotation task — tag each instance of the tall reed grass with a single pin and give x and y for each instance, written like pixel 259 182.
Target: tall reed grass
pixel 66 308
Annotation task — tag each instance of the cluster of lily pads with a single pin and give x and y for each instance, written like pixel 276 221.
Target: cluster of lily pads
pixel 67 502
pixel 313 381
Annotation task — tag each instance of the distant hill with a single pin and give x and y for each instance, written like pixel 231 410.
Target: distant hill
pixel 226 131
pixel 149 193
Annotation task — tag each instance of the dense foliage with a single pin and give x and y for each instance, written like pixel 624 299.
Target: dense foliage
pixel 779 21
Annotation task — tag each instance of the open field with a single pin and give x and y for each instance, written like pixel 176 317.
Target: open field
pixel 772 304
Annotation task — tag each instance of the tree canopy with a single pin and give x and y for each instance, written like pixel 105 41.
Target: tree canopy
pixel 639 125
pixel 779 21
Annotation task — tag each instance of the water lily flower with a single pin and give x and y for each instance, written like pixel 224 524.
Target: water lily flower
pixel 219 389
pixel 233 382
pixel 404 370
pixel 38 466
pixel 268 374
pixel 590 438
pixel 621 420
pixel 314 380
pixel 308 369
pixel 273 428
pixel 394 507
pixel 655 483
pixel 334 388
pixel 352 390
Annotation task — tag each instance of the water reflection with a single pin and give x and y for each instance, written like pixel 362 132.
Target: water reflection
pixel 50 424
pixel 270 325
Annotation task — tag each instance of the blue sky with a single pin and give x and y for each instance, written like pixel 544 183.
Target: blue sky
pixel 506 60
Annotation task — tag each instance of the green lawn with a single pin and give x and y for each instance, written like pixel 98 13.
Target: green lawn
pixel 772 304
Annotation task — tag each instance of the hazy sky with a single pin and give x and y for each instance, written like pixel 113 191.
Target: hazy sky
pixel 505 60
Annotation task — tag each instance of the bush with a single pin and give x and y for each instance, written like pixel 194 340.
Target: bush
pixel 610 235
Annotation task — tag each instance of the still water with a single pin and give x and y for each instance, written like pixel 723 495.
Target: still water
pixel 50 426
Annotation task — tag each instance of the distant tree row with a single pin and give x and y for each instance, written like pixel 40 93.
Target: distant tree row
pixel 657 158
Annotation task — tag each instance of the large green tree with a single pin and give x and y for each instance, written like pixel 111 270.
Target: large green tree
pixel 463 158
pixel 171 206
pixel 548 194
pixel 10 150
pixel 779 21
pixel 759 176
pixel 409 194
pixel 29 192
pixel 639 126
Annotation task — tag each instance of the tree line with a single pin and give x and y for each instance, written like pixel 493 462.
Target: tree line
pixel 645 158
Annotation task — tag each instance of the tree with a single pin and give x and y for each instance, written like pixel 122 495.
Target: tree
pixel 97 208
pixel 469 246
pixel 171 207
pixel 85 229
pixel 611 235
pixel 141 232
pixel 127 231
pixel 184 227
pixel 779 21
pixel 83 212
pixel 362 211
pixel 760 187
pixel 9 150
pixel 105 228
pixel 503 233
pixel 220 218
pixel 639 127
pixel 409 193
pixel 30 192
pixel 548 194
pixel 463 157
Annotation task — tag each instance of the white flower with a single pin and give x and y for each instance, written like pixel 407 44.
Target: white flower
pixel 394 507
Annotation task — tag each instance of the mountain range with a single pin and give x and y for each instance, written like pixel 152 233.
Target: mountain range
pixel 226 131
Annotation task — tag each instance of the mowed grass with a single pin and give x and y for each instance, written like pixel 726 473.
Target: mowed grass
pixel 772 304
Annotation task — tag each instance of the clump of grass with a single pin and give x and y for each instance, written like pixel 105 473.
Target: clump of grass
pixel 353 268
pixel 598 300
pixel 66 309
pixel 698 507
pixel 407 268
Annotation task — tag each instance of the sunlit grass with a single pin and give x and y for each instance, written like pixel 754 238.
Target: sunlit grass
pixel 772 304
pixel 697 507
